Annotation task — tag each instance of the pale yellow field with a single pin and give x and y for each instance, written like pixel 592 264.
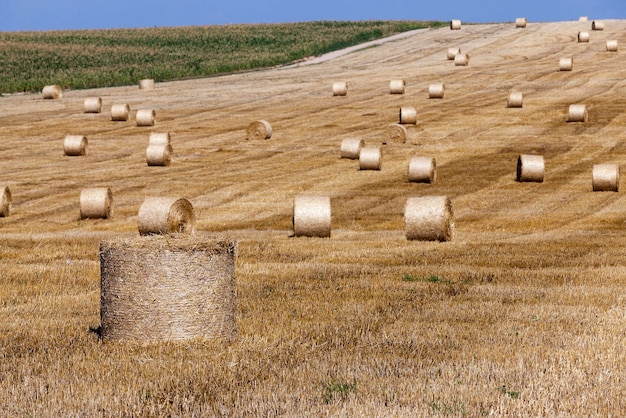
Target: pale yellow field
pixel 527 316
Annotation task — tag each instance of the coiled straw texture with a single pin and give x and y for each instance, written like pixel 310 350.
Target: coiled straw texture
pixel 259 129
pixel 166 215
pixel 395 133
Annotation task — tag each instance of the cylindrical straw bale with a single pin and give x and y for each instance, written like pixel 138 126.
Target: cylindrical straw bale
pixel 96 203
pixel 395 133
pixel 408 115
pixel 397 86
pixel 75 145
pixel 583 36
pixel 351 148
pixel 436 91
pixel 173 288
pixel 461 60
pixel 516 99
pixel 611 45
pixel 166 215
pixel 145 117
pixel 340 88
pixel 146 84
pixel 93 105
pixel 52 92
pixel 311 216
pixel 452 53
pixel 5 201
pixel 583 19
pixel 605 177
pixel 259 129
pixel 159 155
pixel 530 168
pixel 120 112
pixel 422 170
pixel 566 64
pixel 577 113
pixel 597 25
pixel 455 24
pixel 520 22
pixel 370 158
pixel 429 218
pixel 159 138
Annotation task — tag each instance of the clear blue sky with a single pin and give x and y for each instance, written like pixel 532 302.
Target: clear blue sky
pixel 20 15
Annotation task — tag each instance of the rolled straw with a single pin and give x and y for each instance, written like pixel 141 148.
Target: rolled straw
pixel 516 99
pixel 311 216
pixel 455 24
pixel 566 64
pixel 397 86
pixel 159 155
pixel 370 158
pixel 75 145
pixel 96 203
pixel 583 36
pixel 452 53
pixel 597 25
pixel 5 201
pixel 145 117
pixel 408 115
pixel 577 113
pixel 611 45
pixel 605 177
pixel 52 92
pixel 166 215
pixel 395 133
pixel 259 129
pixel 351 148
pixel 340 88
pixel 583 19
pixel 436 91
pixel 520 22
pixel 530 168
pixel 422 170
pixel 159 138
pixel 461 60
pixel 120 112
pixel 93 105
pixel 146 84
pixel 429 218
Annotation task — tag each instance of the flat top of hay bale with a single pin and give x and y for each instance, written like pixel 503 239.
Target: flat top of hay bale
pixel 206 242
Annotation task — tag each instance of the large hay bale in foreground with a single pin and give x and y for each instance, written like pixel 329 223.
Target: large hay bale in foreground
pixel 397 87
pixel 577 113
pixel 453 52
pixel 520 22
pixel 159 155
pixel 429 218
pixel 370 158
pixel 583 36
pixel 455 24
pixel 96 203
pixel 52 92
pixel 120 112
pixel 422 170
pixel 605 177
pixel 351 148
pixel 259 129
pixel 145 117
pixel 566 64
pixel 530 168
pixel 5 201
pixel 93 105
pixel 312 216
pixel 611 45
pixel 171 288
pixel 166 215
pixel 75 145
pixel 340 88
pixel 396 133
pixel 516 99
pixel 436 91
pixel 146 84
pixel 408 115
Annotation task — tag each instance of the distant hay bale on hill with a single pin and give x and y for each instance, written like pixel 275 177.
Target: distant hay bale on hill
pixel 168 289
pixel 566 64
pixel 259 129
pixel 408 115
pixel 429 218
pixel 159 138
pixel 605 177
pixel 5 201
pixel 351 148
pixel 452 53
pixel 395 133
pixel 597 25
pixel 93 105
pixel 520 22
pixel 583 19
pixel 530 168
pixel 120 112
pixel 455 24
pixel 611 45
pixel 312 216
pixel 516 99
pixel 146 84
pixel 52 92
pixel 96 203
pixel 577 113
pixel 340 88
pixel 422 170
pixel 370 158
pixel 583 36
pixel 461 60
pixel 436 91
pixel 159 155
pixel 145 117
pixel 397 86
pixel 166 215
pixel 75 145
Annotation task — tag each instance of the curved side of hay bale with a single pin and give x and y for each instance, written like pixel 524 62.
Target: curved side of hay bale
pixel 611 45
pixel 530 168
pixel 146 84
pixel 605 177
pixel 159 138
pixel 93 105
pixel 395 133
pixel 516 99
pixel 370 158
pixel 566 64
pixel 75 145
pixel 429 218
pixel 436 91
pixel 120 112
pixel 461 60
pixel 583 36
pixel 397 86
pixel 597 25
pixel 408 115
pixel 577 113
pixel 259 129
pixel 145 117
pixel 340 88
pixel 312 216
pixel 168 289
pixel 159 155
pixel 422 170
pixel 166 215
pixel 520 22
pixel 452 53
pixel 52 92
pixel 455 24
pixel 5 201
pixel 96 203
pixel 351 148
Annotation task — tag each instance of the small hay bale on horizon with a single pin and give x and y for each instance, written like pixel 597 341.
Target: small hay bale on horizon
pixel 597 25
pixel 93 105
pixel 605 177
pixel 396 133
pixel 312 216
pixel 146 84
pixel 166 215
pixel 96 203
pixel 120 112
pixel 351 148
pixel 577 113
pixel 5 201
pixel 259 129
pixel 583 19
pixel 75 145
pixel 429 218
pixel 145 117
pixel 422 170
pixel 530 168
pixel 455 24
pixel 521 22
pixel 397 87
pixel 52 92
pixel 340 88
pixel 370 158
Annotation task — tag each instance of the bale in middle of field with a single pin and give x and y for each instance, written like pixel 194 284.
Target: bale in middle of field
pixel 158 154
pixel 370 158
pixel 93 105
pixel 96 203
pixel 75 145
pixel 351 148
pixel 395 133
pixel 530 168
pixel 166 215
pixel 312 216
pixel 577 113
pixel 408 115
pixel 436 91
pixel 605 177
pixel 259 129
pixel 397 86
pixel 461 60
pixel 429 218
pixel 516 99
pixel 340 88
pixel 5 201
pixel 145 117
pixel 422 170
pixel 120 112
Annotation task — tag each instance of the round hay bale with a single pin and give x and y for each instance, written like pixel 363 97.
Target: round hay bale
pixel 452 53
pixel 583 36
pixel 311 216
pixel 166 215
pixel 395 133
pixel 520 22
pixel 597 25
pixel 145 117
pixel 340 88
pixel 516 99
pixel 259 129
pixel 5 201
pixel 605 177
pixel 429 218
pixel 120 112
pixel 351 148
pixel 75 145
pixel 93 105
pixel 566 64
pixel 159 138
pixel 159 155
pixel 583 19
pixel 96 203
pixel 577 113
pixel 436 91
pixel 52 92
pixel 172 288
pixel 422 170
pixel 455 24
pixel 530 168
pixel 611 45
pixel 397 86
pixel 461 60
pixel 408 115
pixel 146 84
pixel 370 158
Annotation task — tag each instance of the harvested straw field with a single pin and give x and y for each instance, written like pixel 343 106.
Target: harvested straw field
pixel 521 313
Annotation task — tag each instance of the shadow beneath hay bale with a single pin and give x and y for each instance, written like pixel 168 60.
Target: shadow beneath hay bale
pixel 97 331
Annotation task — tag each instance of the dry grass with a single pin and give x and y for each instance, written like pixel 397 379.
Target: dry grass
pixel 522 314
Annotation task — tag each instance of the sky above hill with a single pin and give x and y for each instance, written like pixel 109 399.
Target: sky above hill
pixel 23 15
